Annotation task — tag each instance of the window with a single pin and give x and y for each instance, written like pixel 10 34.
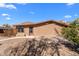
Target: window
pixel 20 28
pixel 30 30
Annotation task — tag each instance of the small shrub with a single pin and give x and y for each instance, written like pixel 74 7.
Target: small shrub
pixel 71 33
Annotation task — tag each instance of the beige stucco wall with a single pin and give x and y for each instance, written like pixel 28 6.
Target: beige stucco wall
pixel 48 30
pixel 26 31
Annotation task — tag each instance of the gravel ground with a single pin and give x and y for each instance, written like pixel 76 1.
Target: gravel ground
pixel 3 38
pixel 9 45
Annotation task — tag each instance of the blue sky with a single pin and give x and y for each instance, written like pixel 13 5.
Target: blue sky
pixel 36 12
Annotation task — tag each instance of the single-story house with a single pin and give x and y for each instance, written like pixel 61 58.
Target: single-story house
pixel 48 28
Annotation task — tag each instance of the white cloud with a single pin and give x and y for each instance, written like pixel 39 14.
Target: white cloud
pixel 8 18
pixel 31 12
pixel 69 4
pixel 4 14
pixel 67 16
pixel 9 6
pixel 76 15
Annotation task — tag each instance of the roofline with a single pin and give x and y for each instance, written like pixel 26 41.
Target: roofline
pixel 49 21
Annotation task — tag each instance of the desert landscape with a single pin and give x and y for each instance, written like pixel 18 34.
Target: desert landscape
pixel 39 29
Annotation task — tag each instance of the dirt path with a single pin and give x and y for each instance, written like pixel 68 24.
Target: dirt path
pixel 5 39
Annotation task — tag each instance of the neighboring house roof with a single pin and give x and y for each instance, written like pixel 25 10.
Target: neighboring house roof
pixel 1 27
pixel 44 23
pixel 27 23
pixel 5 28
pixel 24 23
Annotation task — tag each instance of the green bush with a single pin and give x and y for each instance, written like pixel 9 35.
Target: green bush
pixel 71 33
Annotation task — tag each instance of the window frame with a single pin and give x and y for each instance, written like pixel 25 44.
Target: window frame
pixel 30 30
pixel 20 28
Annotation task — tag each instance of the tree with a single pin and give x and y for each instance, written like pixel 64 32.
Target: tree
pixel 6 26
pixel 7 29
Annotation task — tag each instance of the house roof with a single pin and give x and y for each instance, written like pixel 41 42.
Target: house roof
pixel 43 23
pixel 4 28
pixel 24 23
pixel 1 27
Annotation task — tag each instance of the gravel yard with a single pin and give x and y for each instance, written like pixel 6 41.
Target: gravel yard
pixel 21 45
pixel 3 38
